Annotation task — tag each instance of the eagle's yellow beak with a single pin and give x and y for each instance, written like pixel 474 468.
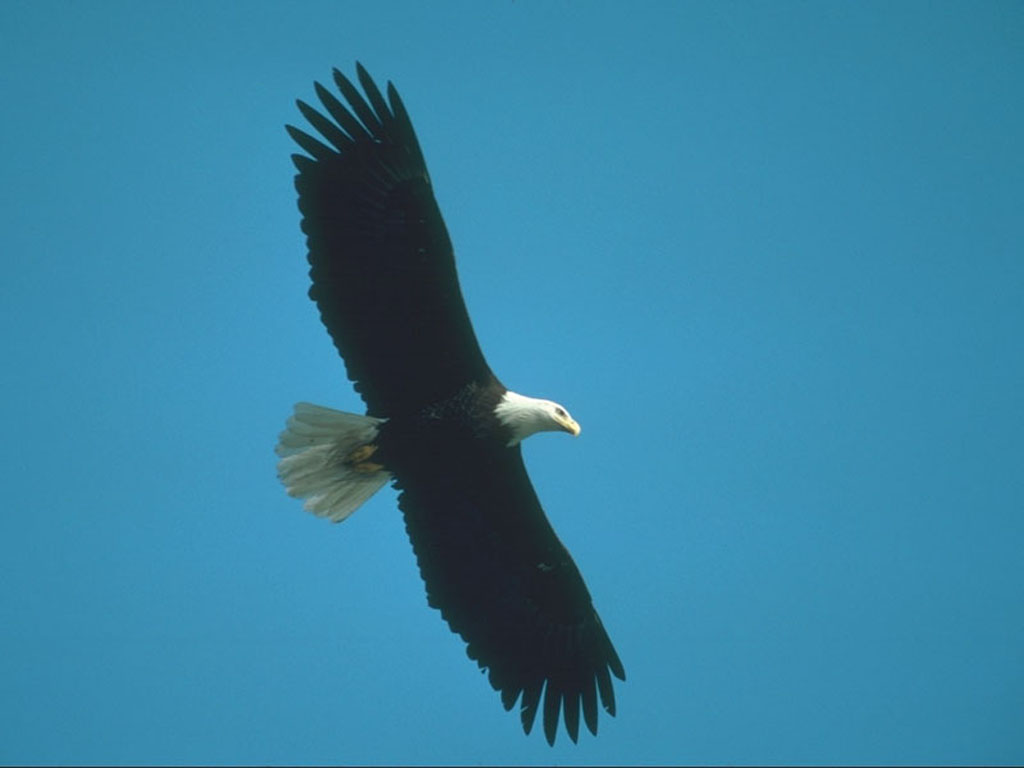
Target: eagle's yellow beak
pixel 569 425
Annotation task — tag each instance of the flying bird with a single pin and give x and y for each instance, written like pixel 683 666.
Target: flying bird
pixel 439 426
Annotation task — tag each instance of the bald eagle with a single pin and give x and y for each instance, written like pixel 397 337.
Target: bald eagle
pixel 439 425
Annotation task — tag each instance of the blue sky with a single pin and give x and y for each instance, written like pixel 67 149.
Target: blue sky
pixel 771 255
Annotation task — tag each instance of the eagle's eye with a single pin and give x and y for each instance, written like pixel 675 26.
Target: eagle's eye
pixel 560 412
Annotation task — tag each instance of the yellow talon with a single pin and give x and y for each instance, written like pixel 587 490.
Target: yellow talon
pixel 362 453
pixel 367 467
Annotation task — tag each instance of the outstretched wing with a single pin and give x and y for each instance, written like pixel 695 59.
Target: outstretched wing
pixel 501 578
pixel 382 265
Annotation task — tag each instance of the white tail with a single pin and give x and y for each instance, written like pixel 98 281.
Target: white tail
pixel 319 462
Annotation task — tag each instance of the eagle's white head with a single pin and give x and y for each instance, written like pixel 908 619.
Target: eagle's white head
pixel 527 415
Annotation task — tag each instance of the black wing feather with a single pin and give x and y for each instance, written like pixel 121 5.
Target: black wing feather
pixel 358 103
pixel 403 125
pixel 344 118
pixel 529 703
pixel 381 261
pixel 338 138
pixel 589 705
pixel 501 578
pixel 380 108
pixel 317 149
pixel 571 694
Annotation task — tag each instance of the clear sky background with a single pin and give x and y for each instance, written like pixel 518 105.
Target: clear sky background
pixel 770 255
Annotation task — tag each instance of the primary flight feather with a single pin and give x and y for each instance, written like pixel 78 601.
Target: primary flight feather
pixel 439 425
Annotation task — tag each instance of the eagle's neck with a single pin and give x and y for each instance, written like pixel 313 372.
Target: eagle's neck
pixel 523 416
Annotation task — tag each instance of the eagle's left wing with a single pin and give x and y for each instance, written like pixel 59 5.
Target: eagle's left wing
pixel 501 578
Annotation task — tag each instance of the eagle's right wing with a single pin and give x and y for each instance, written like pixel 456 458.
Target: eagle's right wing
pixel 382 265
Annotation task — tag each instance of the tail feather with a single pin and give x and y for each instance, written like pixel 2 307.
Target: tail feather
pixel 315 448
